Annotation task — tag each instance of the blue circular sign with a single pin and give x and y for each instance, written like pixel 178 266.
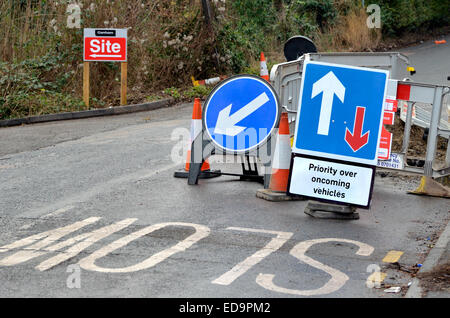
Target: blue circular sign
pixel 241 113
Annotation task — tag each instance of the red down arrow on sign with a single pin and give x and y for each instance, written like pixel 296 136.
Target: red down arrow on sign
pixel 356 140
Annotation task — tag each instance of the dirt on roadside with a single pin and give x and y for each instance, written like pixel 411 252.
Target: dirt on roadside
pixel 436 280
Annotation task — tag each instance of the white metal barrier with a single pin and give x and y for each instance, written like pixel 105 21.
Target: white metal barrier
pixel 434 96
pixel 421 115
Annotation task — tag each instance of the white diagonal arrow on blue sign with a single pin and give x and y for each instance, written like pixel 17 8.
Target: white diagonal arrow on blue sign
pixel 226 124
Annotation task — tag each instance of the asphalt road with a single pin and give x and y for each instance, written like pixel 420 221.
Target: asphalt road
pixel 90 208
pixel 431 61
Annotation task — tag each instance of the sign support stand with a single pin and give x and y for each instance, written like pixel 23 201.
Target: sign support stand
pixel 331 211
pixel 206 148
pixel 195 165
pixel 123 83
pixel 86 84
pixel 250 174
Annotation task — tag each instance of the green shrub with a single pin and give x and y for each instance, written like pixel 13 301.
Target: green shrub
pixel 246 31
pixel 173 92
pixel 38 103
pixel 35 86
pixel 321 13
pixel 199 91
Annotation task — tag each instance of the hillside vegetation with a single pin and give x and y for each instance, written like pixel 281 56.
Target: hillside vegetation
pixel 170 41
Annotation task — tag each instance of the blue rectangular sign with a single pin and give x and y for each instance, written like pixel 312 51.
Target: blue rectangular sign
pixel 340 112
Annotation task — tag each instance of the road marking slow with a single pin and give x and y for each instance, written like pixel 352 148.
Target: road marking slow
pixel 337 280
pixel 249 262
pixel 51 241
pixel 88 262
pixel 40 242
pixel 84 241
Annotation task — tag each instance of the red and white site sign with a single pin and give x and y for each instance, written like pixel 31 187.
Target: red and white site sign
pixel 105 45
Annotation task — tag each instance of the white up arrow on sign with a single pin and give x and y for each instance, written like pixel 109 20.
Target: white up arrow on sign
pixel 226 124
pixel 329 85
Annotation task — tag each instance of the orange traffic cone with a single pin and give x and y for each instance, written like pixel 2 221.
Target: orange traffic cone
pixel 196 129
pixel 280 166
pixel 281 157
pixel 264 73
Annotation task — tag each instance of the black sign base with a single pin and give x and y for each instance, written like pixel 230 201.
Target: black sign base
pixel 207 174
pixel 331 211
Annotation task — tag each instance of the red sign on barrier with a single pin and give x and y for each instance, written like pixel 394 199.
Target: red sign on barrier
pixel 384 149
pixel 388 118
pixel 391 105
